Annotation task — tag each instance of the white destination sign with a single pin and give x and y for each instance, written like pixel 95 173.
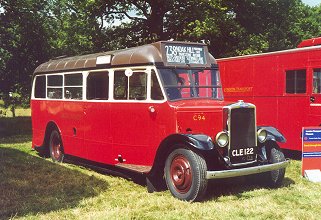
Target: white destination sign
pixel 185 54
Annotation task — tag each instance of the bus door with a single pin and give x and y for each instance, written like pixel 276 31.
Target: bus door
pixel 137 96
pixel 315 97
pixel 73 115
pixel 97 118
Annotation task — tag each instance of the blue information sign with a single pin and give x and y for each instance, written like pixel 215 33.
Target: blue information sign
pixel 312 134
pixel 311 148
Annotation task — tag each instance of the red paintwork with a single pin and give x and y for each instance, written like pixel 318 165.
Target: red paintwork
pixel 106 131
pixel 260 79
pixel 310 42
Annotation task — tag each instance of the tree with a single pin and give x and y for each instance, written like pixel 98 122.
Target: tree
pixel 232 27
pixel 149 15
pixel 270 25
pixel 23 46
pixel 33 31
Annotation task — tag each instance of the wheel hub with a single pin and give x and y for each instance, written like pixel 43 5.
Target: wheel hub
pixel 181 174
pixel 56 148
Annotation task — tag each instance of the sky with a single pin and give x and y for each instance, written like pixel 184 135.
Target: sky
pixel 312 2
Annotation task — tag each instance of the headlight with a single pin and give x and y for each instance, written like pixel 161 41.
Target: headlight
pixel 222 139
pixel 261 135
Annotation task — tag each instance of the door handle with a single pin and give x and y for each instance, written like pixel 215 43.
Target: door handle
pixel 312 99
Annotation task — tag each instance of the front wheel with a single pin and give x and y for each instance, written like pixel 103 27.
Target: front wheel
pixel 274 178
pixel 55 147
pixel 185 175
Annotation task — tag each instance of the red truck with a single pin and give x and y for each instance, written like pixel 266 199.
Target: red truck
pixel 285 86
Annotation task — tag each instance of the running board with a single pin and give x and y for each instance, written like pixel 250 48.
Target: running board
pixel 137 168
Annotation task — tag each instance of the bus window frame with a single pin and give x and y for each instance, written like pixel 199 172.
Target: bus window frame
pixel 306 80
pixel 86 86
pixel 62 86
pixel 85 74
pixel 190 98
pixel 148 70
pixel 33 89
pixel 73 86
pixel 312 80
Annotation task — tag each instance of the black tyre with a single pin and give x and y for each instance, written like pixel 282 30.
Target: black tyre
pixel 275 178
pixel 185 175
pixel 55 147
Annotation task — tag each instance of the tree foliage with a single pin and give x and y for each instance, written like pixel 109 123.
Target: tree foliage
pixel 33 31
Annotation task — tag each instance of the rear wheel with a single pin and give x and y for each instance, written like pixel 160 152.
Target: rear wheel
pixel 55 147
pixel 185 174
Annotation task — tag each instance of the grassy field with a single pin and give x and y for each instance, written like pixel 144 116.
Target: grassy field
pixel 19 112
pixel 32 187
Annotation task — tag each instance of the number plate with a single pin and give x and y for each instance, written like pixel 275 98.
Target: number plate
pixel 242 152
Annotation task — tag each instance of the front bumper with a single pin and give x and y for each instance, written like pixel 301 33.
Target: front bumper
pixel 220 174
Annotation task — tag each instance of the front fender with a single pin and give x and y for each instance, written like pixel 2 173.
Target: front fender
pixel 273 134
pixel 200 141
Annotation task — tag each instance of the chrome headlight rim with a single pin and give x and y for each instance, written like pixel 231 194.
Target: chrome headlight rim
pixel 261 135
pixel 222 139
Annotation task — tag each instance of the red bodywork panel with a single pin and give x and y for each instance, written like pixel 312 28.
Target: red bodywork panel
pixel 310 42
pixel 107 131
pixel 261 79
pixel 200 117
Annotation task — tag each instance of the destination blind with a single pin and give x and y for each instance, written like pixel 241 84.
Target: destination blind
pixel 185 54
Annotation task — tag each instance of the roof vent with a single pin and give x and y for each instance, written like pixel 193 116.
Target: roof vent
pixel 101 60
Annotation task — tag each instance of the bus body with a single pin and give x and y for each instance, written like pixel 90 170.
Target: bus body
pixel 285 86
pixel 156 109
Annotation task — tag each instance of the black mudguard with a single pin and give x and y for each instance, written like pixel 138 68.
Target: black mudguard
pixel 273 134
pixel 200 141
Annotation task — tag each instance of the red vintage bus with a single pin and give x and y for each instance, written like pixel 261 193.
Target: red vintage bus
pixel 285 86
pixel 156 109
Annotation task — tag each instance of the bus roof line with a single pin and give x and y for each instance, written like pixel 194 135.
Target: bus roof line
pixel 141 55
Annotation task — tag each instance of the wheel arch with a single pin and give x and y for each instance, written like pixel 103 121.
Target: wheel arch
pixel 44 148
pixel 195 142
pixel 49 128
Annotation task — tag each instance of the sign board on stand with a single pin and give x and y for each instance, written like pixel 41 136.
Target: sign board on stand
pixel 311 153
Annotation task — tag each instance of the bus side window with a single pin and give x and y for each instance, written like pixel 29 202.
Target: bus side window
pixel 54 87
pixel 73 86
pixel 156 92
pixel 295 81
pixel 120 85
pixel 138 86
pixel 131 87
pixel 40 87
pixel 97 86
pixel 316 89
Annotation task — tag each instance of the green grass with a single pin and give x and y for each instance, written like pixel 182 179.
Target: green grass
pixel 20 112
pixel 32 187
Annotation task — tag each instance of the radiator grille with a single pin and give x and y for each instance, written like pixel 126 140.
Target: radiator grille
pixel 242 147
